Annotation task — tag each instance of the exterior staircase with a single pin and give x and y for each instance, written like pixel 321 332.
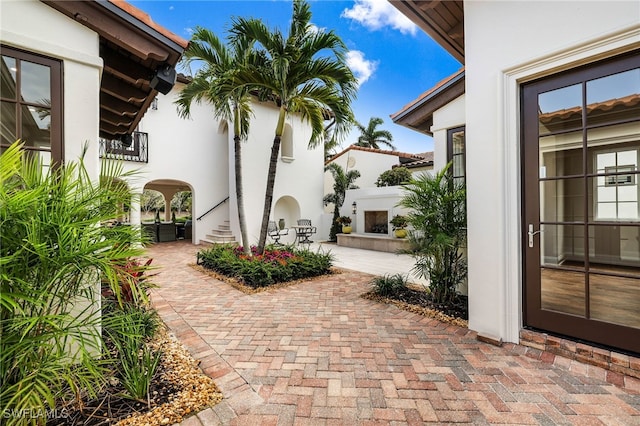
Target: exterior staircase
pixel 222 235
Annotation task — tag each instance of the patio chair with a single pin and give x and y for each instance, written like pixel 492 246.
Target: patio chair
pixel 305 230
pixel 276 233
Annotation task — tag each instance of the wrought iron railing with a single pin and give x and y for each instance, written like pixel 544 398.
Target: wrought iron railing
pixel 138 151
pixel 213 208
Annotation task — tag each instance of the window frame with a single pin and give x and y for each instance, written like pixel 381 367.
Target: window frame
pixel 56 86
pixel 451 156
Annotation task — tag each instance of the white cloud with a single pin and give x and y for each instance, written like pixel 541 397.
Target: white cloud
pixel 171 8
pixel 362 68
pixel 189 31
pixel 376 14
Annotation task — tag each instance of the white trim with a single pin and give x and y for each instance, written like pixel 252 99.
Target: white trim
pixel 607 45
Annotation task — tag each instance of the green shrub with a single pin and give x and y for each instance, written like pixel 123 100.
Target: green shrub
pixel 129 329
pixel 439 221
pixel 54 254
pixel 388 285
pixel 394 177
pixel 275 265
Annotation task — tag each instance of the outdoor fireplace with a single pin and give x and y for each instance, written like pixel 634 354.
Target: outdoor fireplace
pixel 376 222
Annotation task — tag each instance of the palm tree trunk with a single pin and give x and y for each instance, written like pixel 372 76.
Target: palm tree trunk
pixel 268 198
pixel 237 146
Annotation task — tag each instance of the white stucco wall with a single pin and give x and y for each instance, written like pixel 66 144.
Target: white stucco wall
pixel 299 183
pixel 28 25
pixel 370 165
pixel 450 116
pixel 531 39
pixel 192 150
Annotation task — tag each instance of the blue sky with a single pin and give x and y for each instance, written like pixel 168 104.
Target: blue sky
pixel 394 60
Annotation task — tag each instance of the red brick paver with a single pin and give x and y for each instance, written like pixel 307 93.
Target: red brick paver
pixel 316 353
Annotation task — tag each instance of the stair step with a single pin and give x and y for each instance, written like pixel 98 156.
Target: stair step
pixel 221 232
pixel 208 241
pixel 221 238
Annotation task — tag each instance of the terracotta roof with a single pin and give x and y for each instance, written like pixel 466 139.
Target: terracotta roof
pixel 144 17
pixel 428 93
pixel 135 50
pixel 598 107
pixel 399 154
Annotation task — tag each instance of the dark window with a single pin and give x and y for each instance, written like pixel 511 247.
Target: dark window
pixel 31 103
pixel 456 154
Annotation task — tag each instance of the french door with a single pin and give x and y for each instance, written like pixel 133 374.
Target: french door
pixel 581 203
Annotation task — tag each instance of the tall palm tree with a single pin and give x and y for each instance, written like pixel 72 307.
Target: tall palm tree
pixel 341 182
pixel 371 137
pixel 301 79
pixel 216 84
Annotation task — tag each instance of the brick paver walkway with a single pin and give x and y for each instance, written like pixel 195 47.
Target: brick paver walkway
pixel 317 353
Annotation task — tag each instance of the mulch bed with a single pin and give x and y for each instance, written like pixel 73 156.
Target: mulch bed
pixel 179 389
pixel 415 299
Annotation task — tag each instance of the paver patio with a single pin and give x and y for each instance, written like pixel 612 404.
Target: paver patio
pixel 317 353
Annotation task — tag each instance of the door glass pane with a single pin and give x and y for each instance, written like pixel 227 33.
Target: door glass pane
pixel 606 292
pixel 35 83
pixel 8 122
pixel 562 291
pixel 562 200
pixel 562 245
pixel 561 155
pixel 616 191
pixel 9 70
pixel 36 126
pixel 613 246
pixel 614 97
pixel 560 109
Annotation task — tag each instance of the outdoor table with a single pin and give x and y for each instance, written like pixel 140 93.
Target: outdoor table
pixel 303 233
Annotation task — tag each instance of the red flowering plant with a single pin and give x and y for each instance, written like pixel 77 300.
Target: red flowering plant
pixel 275 265
pixel 270 255
pixel 132 279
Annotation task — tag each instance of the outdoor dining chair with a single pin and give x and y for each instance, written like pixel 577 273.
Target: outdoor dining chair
pixel 304 230
pixel 276 233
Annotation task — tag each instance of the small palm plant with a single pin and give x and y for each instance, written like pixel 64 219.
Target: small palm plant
pixel 438 218
pixel 55 253
pixel 341 182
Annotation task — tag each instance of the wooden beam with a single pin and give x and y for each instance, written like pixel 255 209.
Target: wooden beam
pixel 124 67
pixel 117 106
pixel 122 90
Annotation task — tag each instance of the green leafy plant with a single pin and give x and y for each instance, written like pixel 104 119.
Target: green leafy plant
pixel 394 177
pixel 399 222
pixel 54 255
pixel 128 330
pixel 344 220
pixel 341 182
pixel 388 284
pixel 274 265
pixel 438 218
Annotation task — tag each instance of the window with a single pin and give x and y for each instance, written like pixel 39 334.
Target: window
pixel 286 147
pixel 616 188
pixel 31 103
pixel 456 154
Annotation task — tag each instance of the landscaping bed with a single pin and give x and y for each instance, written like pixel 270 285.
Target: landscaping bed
pixel 276 265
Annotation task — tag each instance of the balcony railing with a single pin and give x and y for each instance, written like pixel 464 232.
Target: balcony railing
pixel 138 151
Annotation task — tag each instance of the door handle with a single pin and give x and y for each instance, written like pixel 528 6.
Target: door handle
pixel 532 233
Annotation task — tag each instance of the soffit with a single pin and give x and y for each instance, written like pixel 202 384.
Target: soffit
pixel 443 20
pixel 132 47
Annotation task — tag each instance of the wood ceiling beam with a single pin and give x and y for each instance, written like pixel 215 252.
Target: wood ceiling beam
pixel 117 106
pixel 121 90
pixel 124 67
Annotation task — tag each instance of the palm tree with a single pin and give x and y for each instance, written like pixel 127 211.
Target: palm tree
pixel 371 137
pixel 300 80
pixel 215 83
pixel 341 182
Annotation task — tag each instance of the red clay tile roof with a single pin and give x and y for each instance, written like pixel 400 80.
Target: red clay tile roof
pixel 563 114
pixel 427 93
pixel 144 17
pixel 380 151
